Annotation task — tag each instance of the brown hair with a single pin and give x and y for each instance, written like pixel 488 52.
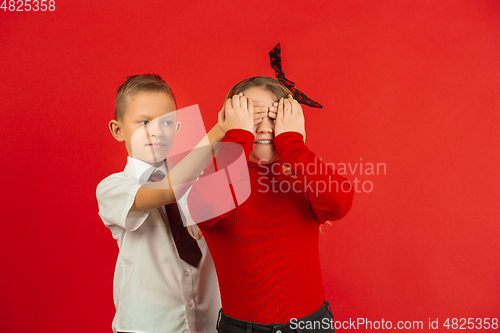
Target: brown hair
pixel 138 84
pixel 265 82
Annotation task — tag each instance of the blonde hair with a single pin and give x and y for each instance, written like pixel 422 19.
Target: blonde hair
pixel 265 82
pixel 137 84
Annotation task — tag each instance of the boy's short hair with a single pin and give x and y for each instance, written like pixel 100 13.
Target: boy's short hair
pixel 138 84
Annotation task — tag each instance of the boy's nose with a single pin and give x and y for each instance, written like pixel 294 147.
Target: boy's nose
pixel 154 128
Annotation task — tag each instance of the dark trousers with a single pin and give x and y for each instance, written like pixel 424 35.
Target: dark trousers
pixel 320 321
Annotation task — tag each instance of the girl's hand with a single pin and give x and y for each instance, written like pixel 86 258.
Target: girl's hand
pixel 290 117
pixel 237 113
pixel 272 111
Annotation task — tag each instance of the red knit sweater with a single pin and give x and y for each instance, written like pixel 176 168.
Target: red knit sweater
pixel 266 250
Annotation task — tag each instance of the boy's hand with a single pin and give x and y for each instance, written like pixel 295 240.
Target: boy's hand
pixel 290 117
pixel 259 112
pixel 237 113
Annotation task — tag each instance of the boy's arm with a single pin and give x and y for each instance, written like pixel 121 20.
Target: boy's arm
pixel 179 179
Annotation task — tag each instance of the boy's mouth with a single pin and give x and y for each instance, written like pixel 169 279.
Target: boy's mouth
pixel 264 142
pixel 156 145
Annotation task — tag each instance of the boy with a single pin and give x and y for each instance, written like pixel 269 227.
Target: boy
pixel 155 291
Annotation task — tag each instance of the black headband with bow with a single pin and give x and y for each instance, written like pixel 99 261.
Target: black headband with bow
pixel 275 56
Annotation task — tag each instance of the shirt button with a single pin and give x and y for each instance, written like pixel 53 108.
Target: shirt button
pixel 190 304
pixel 186 273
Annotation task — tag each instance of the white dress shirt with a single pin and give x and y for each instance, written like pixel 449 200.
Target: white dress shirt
pixel 154 290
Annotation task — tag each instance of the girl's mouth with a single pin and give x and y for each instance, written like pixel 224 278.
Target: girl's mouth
pixel 264 142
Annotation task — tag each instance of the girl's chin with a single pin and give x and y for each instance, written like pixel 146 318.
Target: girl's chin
pixel 263 158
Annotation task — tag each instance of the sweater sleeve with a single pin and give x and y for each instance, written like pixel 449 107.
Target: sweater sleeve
pixel 329 194
pixel 211 197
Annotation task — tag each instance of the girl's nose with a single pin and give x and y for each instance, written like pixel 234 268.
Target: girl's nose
pixel 266 126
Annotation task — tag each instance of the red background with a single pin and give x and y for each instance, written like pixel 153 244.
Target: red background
pixel 412 84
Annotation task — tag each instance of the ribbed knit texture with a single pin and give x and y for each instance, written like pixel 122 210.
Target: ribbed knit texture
pixel 266 250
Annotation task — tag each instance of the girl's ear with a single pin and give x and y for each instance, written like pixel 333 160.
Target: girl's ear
pixel 116 130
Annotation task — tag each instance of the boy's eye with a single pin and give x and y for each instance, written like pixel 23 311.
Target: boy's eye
pixel 144 122
pixel 167 122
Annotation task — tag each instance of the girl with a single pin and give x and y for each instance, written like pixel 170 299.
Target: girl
pixel 266 250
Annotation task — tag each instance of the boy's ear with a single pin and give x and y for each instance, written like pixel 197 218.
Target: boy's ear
pixel 116 130
pixel 177 127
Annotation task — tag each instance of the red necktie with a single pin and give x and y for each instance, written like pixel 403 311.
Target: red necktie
pixel 187 246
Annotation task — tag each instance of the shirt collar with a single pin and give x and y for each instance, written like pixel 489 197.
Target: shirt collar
pixel 142 170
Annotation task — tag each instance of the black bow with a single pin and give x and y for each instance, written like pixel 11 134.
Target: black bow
pixel 275 56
